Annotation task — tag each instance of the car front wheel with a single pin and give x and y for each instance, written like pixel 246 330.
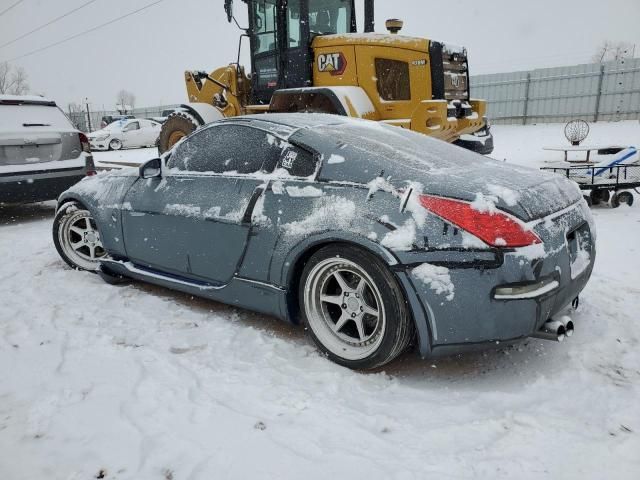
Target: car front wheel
pixel 115 144
pixel 76 238
pixel 354 308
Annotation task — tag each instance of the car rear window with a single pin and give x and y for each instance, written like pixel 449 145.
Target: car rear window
pixel 20 117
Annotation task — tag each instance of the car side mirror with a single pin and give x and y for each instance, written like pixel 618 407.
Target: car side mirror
pixel 151 169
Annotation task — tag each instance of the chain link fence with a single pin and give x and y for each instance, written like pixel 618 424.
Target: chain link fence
pixel 91 120
pixel 607 91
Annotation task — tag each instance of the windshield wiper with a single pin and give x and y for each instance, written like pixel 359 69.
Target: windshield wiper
pixel 36 124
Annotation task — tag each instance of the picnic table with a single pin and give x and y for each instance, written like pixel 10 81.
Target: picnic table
pixel 603 149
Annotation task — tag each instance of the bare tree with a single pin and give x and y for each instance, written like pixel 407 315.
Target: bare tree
pixel 13 80
pixel 125 100
pixel 76 114
pixel 609 50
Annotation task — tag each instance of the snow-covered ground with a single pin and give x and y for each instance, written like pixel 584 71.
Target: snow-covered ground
pixel 140 382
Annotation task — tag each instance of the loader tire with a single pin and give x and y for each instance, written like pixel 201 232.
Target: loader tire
pixel 177 126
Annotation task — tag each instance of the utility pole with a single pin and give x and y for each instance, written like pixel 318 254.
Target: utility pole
pixel 86 102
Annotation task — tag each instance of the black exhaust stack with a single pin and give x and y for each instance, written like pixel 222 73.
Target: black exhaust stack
pixel 369 20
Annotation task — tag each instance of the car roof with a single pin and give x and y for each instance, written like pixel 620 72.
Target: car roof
pixel 26 100
pixel 292 120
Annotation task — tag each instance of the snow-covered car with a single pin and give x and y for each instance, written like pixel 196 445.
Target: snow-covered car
pixel 41 152
pixel 128 133
pixel 370 235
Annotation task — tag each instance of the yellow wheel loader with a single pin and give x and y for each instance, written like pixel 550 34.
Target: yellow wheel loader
pixel 307 56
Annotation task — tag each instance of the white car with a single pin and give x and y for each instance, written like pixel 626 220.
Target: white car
pixel 129 133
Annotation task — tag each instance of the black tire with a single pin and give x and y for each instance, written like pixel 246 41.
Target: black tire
pixel 619 198
pixel 398 327
pixel 177 126
pixel 599 196
pixel 65 216
pixel 587 198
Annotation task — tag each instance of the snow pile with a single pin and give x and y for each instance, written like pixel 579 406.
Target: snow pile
pixel 379 183
pixel 333 159
pixel 484 203
pixel 257 216
pixel 581 262
pixel 510 197
pixel 182 210
pixel 437 278
pixel 401 239
pixel 329 213
pixel 307 191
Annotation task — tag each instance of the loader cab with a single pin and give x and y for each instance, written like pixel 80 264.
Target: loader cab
pixel 281 32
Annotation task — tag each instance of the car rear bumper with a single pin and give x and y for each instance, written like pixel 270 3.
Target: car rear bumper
pixel 498 297
pixel 38 185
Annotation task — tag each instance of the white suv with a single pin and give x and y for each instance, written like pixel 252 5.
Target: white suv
pixel 41 152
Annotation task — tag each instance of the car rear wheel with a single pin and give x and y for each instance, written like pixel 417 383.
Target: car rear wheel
pixel 115 144
pixel 76 238
pixel 354 308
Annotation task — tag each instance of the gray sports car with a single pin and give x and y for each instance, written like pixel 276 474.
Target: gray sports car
pixel 374 237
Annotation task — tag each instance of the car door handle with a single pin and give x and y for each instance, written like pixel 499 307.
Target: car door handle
pixel 246 219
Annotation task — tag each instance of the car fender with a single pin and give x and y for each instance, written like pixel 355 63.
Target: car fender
pixel 102 195
pixel 291 267
pixel 325 238
pixel 203 112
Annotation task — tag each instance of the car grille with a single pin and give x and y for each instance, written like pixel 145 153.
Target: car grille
pixel 456 80
pixel 450 76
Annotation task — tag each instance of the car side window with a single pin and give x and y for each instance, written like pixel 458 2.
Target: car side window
pixel 226 149
pixel 132 126
pixel 296 161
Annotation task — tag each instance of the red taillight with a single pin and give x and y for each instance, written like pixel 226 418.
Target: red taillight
pixel 84 143
pixel 498 229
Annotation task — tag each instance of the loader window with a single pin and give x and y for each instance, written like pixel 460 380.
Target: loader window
pixel 393 79
pixel 293 24
pixel 327 17
pixel 265 24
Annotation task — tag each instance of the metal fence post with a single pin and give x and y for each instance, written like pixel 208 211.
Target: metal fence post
pixel 525 109
pixel 599 93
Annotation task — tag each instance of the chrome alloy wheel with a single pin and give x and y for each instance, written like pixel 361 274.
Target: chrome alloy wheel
pixel 80 240
pixel 344 308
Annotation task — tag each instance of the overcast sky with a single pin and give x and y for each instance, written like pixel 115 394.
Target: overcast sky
pixel 147 53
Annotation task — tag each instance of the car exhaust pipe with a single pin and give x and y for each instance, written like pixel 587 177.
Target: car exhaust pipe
pixel 552 330
pixel 568 325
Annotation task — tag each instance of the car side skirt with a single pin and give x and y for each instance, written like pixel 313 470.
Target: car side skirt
pixel 246 293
